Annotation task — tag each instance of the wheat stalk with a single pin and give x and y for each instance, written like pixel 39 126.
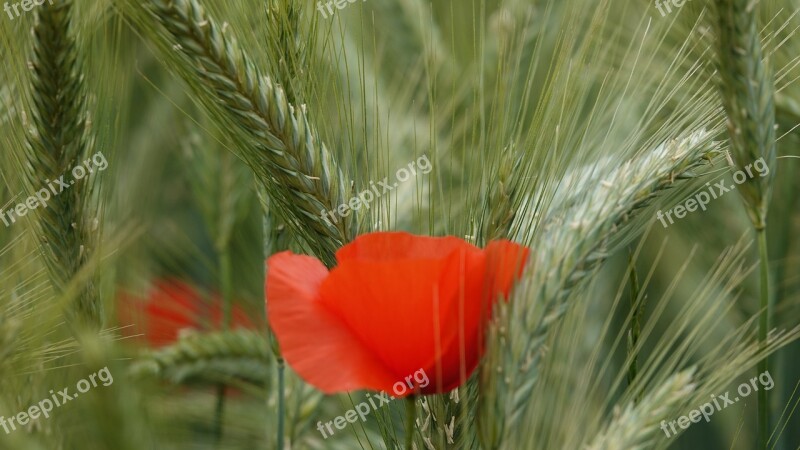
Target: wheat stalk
pixel 747 91
pixel 59 140
pixel 567 253
pixel 277 140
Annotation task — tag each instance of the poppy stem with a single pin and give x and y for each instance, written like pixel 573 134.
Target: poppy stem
pixel 411 417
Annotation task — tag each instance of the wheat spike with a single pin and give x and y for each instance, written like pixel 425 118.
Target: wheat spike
pixel 568 252
pixel 747 92
pixel 241 354
pixel 58 141
pixel 636 426
pixel 277 140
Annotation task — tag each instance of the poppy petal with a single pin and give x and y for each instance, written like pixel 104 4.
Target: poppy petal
pixel 505 262
pixel 311 337
pixel 398 245
pixel 462 316
pixel 168 307
pixel 403 311
pixel 395 304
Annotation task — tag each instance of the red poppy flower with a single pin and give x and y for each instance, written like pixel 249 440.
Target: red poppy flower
pixel 171 306
pixel 396 304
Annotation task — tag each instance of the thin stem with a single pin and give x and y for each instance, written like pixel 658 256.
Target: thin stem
pixel 218 413
pixel 281 403
pixel 763 329
pixel 226 287
pixel 637 309
pixel 272 244
pixel 411 417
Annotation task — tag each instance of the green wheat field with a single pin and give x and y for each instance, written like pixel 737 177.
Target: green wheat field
pixel 155 153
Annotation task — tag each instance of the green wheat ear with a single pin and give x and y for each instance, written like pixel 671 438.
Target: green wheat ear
pixel 57 141
pixel 636 425
pixel 573 243
pixel 211 357
pixel 277 139
pixel 748 95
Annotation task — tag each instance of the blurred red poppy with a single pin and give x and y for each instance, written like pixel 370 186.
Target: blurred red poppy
pixel 171 306
pixel 394 305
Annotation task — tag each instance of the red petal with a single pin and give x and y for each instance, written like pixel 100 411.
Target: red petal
pixel 505 261
pixel 169 306
pixel 313 341
pixel 396 246
pixel 408 312
pixel 397 303
pixel 469 308
pixel 502 265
